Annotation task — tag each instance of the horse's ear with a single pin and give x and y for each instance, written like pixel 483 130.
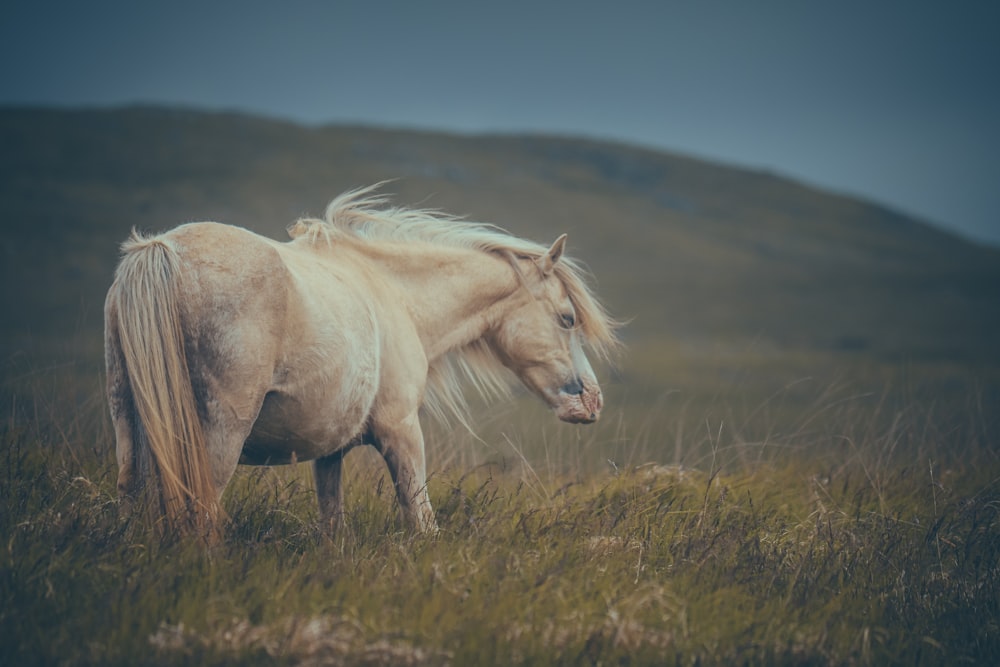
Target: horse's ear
pixel 548 261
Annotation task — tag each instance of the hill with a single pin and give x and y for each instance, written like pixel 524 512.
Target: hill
pixel 848 519
pixel 716 268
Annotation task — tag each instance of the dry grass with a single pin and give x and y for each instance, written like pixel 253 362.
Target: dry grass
pixel 766 487
pixel 851 537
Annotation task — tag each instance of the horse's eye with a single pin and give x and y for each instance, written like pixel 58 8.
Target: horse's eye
pixel 567 321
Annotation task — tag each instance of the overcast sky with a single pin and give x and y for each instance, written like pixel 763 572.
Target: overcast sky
pixel 898 102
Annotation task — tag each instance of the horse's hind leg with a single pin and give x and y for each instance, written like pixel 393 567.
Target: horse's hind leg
pixel 328 472
pixel 123 415
pixel 129 477
pixel 225 435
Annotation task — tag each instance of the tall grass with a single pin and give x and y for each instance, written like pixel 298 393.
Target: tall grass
pixel 854 530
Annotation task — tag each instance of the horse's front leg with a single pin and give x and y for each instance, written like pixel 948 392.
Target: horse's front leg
pixel 402 447
pixel 328 472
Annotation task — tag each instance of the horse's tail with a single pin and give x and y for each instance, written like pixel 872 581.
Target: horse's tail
pixel 168 457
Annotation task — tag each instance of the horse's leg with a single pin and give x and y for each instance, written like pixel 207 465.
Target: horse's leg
pixel 329 489
pixel 402 447
pixel 131 481
pixel 123 417
pixel 122 410
pixel 225 435
pixel 224 438
pixel 227 427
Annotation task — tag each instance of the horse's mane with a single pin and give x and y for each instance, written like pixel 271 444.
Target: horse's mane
pixel 362 214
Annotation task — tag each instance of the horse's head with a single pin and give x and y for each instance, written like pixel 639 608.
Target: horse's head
pixel 540 340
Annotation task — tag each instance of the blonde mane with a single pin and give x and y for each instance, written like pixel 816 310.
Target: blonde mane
pixel 361 214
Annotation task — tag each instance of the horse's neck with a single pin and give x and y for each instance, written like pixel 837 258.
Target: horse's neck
pixel 453 295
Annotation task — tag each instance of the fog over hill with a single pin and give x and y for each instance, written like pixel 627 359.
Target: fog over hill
pixel 694 255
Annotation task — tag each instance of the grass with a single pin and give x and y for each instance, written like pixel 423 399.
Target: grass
pixel 766 486
pixel 849 538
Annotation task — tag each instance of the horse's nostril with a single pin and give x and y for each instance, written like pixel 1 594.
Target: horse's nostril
pixel 574 388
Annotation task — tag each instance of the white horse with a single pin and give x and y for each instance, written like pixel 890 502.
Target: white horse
pixel 225 347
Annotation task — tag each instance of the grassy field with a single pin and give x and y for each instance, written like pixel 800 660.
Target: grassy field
pixel 868 532
pixel 799 461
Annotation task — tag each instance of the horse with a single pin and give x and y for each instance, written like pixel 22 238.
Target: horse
pixel 224 347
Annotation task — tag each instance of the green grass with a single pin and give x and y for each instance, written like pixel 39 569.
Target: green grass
pixel 849 538
pixel 796 464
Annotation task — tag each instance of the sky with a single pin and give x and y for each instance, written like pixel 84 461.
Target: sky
pixel 896 102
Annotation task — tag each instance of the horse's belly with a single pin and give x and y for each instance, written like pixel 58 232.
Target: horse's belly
pixel 289 429
pixel 314 417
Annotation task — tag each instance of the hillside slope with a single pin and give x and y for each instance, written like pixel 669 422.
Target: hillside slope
pixel 694 254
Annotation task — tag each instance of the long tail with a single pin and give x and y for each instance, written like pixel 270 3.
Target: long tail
pixel 169 448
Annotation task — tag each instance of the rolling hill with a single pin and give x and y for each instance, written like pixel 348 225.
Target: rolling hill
pixel 714 267
pixel 723 511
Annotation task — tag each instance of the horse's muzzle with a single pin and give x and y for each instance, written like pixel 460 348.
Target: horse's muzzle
pixel 580 402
